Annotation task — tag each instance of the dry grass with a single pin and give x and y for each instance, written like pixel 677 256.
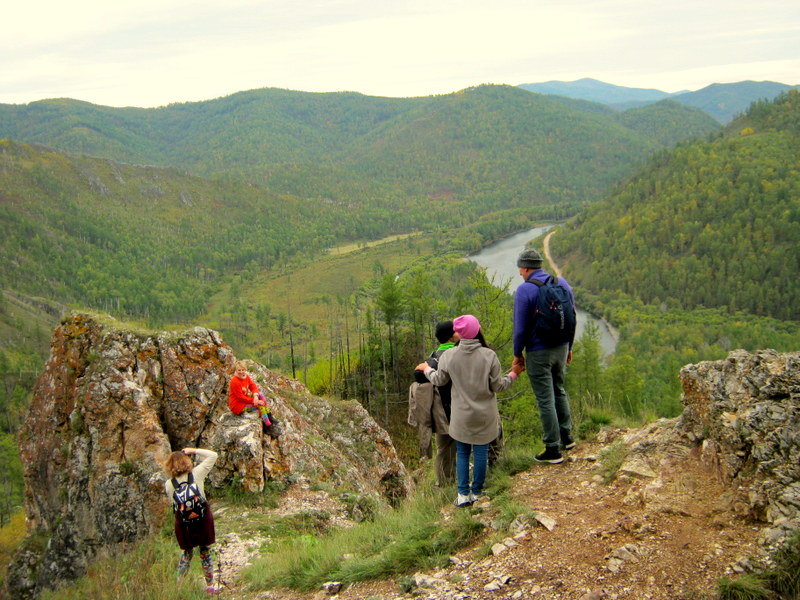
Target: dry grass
pixel 11 535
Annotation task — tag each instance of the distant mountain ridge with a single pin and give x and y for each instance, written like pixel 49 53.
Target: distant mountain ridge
pixel 596 91
pixel 723 101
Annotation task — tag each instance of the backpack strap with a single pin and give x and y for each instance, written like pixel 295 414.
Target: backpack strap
pixel 540 283
pixel 536 282
pixel 189 480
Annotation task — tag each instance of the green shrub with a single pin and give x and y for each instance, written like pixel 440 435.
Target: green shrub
pixel 611 459
pixel 360 507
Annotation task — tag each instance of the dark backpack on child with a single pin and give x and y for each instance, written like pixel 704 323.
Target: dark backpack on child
pixel 187 501
pixel 554 312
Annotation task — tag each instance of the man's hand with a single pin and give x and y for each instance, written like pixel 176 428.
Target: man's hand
pixel 519 361
pixel 569 357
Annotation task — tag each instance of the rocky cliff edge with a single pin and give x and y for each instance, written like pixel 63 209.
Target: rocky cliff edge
pixel 110 406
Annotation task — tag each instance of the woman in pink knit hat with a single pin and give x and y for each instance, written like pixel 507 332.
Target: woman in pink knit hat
pixel 477 376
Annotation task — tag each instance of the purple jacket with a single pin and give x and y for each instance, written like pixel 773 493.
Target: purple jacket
pixel 524 301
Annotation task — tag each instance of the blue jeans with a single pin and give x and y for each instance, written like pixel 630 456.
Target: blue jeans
pixel 480 459
pixel 546 371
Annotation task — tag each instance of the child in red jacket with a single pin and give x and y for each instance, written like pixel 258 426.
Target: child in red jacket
pixel 244 394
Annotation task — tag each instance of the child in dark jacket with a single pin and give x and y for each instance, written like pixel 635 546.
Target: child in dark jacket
pixel 430 412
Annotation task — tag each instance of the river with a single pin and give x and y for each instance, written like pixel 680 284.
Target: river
pixel 500 260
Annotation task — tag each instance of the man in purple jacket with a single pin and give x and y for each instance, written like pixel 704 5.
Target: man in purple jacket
pixel 546 365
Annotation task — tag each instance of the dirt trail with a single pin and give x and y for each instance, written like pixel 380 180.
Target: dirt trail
pixel 662 535
pixel 548 256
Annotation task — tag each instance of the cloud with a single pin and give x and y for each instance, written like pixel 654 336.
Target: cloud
pixel 159 51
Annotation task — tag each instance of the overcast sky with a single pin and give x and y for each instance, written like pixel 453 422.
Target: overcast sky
pixel 154 52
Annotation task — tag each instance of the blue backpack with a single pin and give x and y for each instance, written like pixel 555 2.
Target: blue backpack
pixel 554 312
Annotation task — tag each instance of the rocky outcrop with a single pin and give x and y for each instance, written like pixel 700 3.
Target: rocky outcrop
pixel 110 406
pixel 745 410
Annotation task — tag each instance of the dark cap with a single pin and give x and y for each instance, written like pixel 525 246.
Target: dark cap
pixel 529 259
pixel 444 331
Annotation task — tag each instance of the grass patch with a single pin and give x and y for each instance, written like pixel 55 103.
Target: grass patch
pixel 611 459
pixel 593 420
pixel 302 523
pixel 515 459
pixel 397 541
pixel 746 587
pixel 784 578
pixel 781 581
pixel 145 572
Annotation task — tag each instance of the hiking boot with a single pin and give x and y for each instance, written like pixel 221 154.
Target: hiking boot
pixel 274 431
pixel 567 442
pixel 550 455
pixel 463 500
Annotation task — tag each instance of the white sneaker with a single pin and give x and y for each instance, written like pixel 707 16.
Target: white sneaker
pixel 477 497
pixel 463 500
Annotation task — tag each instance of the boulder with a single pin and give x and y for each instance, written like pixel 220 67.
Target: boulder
pixel 746 412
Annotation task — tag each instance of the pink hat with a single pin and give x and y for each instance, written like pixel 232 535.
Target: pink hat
pixel 466 326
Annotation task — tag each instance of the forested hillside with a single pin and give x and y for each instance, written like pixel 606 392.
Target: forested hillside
pixel 668 122
pixel 724 101
pixel 245 131
pixel 711 224
pixel 141 241
pixel 495 144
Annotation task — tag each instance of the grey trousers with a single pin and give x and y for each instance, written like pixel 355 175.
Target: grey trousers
pixel 547 371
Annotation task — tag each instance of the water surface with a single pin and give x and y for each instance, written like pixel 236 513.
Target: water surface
pixel 500 260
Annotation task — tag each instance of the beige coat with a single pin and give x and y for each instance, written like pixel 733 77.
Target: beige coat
pixel 477 376
pixel 426 413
